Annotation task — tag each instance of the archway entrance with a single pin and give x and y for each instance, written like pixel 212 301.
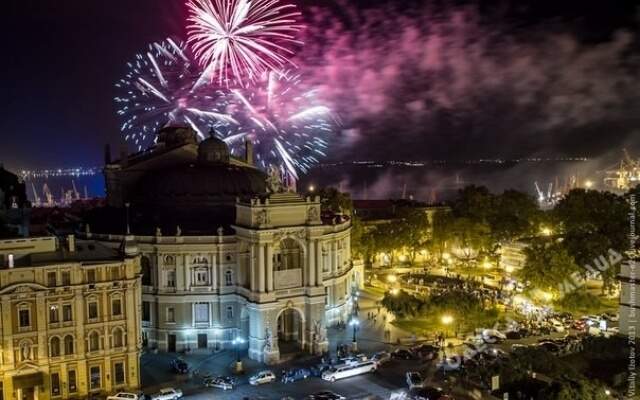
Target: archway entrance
pixel 290 331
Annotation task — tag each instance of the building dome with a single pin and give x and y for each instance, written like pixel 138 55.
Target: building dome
pixel 200 184
pixel 213 150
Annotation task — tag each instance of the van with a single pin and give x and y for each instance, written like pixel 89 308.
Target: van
pixel 349 370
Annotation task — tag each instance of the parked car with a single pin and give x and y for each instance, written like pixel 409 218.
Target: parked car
pixel 430 393
pixel 381 357
pixel 514 335
pixel 262 377
pixel 179 366
pixel 550 347
pixel 294 375
pixel 448 364
pixel 326 395
pixel 427 351
pixel 221 382
pixel 493 336
pixel 124 396
pixel 609 316
pixel 167 394
pixel 402 354
pixel 414 380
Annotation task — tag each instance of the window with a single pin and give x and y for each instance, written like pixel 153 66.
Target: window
pixel 146 270
pixel 55 346
pixel 94 378
pixel 116 307
pixel 146 311
pixel 93 310
pixel 91 275
pixel 25 321
pixel 55 384
pixel 66 278
pixel 51 279
pixel 67 313
pixel 115 273
pixel 94 341
pixel 229 312
pixel 171 278
pixel 71 380
pixel 171 317
pixel 68 345
pixel 54 316
pixel 202 276
pixel 228 278
pixel 202 312
pixel 118 373
pixel 117 338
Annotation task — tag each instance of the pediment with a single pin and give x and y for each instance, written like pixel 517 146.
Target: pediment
pixel 22 287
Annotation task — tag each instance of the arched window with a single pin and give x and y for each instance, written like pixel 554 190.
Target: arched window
pixel 117 338
pixel 68 345
pixel 228 278
pixel 55 346
pixel 94 341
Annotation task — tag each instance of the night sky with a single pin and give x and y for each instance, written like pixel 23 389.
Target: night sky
pixel 63 57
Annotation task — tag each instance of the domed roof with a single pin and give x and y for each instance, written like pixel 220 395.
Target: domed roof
pixel 201 184
pixel 213 150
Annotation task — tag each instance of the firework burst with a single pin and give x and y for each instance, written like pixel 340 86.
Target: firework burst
pixel 288 127
pixel 239 40
pixel 161 87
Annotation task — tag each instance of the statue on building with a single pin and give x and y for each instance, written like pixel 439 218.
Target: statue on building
pixel 220 231
pixel 274 180
pixel 262 217
pixel 158 231
pixel 87 229
pixel 312 214
pixel 178 231
pixel 269 344
pixel 319 331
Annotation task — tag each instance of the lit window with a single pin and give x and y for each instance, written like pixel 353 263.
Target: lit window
pixel 94 378
pixel 202 312
pixel 53 315
pixel 55 384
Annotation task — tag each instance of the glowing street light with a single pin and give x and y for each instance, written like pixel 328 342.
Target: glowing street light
pixel 546 231
pixel 312 188
pixel 392 278
pixel 588 184
pixel 237 342
pixel 446 319
pixel 354 323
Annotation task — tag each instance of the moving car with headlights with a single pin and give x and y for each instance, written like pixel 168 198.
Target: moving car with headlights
pixel 349 370
pixel 262 377
pixel 221 382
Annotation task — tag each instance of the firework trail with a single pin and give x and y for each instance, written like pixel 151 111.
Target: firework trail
pixel 239 40
pixel 161 87
pixel 288 127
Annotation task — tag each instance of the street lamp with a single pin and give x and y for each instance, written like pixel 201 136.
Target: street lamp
pixel 354 323
pixel 446 320
pixel 237 342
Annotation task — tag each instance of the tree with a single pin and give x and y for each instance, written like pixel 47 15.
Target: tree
pixel 362 240
pixel 401 304
pixel 335 201
pixel 593 223
pixel 475 203
pixel 414 230
pixel 472 237
pixel 388 238
pixel 514 215
pixel 441 232
pixel 547 265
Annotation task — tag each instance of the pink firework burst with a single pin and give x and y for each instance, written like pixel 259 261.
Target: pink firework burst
pixel 241 39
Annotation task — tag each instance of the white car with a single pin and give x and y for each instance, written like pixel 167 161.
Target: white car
pixel 262 377
pixel 493 336
pixel 557 325
pixel 124 396
pixel 167 394
pixel 414 380
pixel 381 357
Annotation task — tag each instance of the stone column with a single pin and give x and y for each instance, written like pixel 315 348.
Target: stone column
pixel 311 263
pixel 269 248
pixel 319 266
pixel 252 268
pixel 261 267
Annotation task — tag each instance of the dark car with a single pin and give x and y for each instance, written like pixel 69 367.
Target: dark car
pixel 550 347
pixel 429 393
pixel 317 370
pixel 222 382
pixel 326 395
pixel 294 375
pixel 179 366
pixel 402 354
pixel 427 351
